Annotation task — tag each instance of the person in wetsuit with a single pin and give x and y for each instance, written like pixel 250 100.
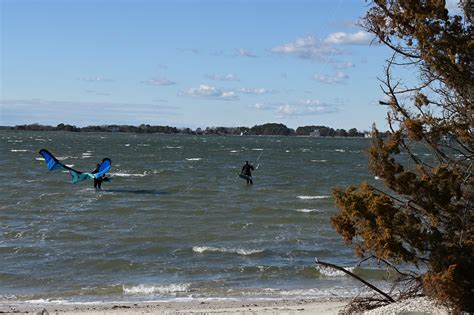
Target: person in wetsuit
pixel 247 170
pixel 97 181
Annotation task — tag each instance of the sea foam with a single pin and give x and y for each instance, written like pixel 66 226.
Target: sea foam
pixel 331 272
pixel 314 197
pixel 161 289
pixel 239 251
pixel 309 210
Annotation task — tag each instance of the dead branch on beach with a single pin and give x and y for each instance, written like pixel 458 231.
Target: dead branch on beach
pixel 385 295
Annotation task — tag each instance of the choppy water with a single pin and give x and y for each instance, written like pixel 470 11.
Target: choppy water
pixel 176 222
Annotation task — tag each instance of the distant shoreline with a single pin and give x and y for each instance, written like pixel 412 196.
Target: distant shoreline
pixel 269 129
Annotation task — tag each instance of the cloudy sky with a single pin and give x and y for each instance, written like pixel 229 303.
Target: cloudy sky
pixel 189 63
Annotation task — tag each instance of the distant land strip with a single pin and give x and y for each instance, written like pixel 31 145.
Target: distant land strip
pixel 271 129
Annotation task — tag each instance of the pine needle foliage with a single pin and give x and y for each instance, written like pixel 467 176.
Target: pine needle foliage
pixel 423 213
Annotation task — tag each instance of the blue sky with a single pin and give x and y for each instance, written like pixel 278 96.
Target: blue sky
pixel 189 63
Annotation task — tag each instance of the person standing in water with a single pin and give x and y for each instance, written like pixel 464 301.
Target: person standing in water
pixel 97 181
pixel 247 171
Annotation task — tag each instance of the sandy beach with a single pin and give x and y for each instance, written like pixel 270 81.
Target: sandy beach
pixel 303 306
pixel 229 307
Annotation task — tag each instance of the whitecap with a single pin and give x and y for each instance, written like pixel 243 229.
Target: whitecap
pixel 257 149
pixel 193 159
pixel 239 251
pixel 319 161
pixel 331 272
pixel 16 141
pixel 128 175
pixel 314 197
pixel 39 159
pixel 127 144
pixel 143 145
pixel 287 151
pixel 234 151
pixel 340 150
pixel 13 150
pixel 162 289
pixel 309 210
pixel 171 147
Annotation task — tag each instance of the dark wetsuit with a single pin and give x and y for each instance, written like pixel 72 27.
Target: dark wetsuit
pixel 247 170
pixel 97 181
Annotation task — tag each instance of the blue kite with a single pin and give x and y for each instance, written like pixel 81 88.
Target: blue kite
pixel 77 176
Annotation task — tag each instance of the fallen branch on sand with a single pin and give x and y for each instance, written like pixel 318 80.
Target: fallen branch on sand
pixel 326 264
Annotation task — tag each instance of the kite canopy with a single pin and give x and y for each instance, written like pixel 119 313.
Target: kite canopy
pixel 77 176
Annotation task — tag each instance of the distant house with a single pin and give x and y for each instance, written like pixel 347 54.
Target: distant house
pixel 367 135
pixel 315 133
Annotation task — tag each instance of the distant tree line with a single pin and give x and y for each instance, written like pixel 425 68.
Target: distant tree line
pixel 273 129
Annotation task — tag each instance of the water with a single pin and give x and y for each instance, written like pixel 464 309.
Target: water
pixel 175 222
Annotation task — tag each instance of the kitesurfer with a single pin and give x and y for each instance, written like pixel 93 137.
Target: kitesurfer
pixel 97 181
pixel 247 171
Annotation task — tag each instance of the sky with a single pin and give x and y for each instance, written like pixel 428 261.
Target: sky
pixel 189 63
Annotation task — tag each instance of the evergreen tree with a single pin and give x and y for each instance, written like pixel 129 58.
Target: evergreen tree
pixel 424 214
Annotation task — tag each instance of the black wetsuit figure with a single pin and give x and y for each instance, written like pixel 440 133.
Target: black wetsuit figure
pixel 97 181
pixel 247 170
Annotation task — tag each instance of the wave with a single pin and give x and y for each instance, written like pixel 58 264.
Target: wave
pixel 161 289
pixel 309 210
pixel 313 197
pixel 128 175
pixel 331 272
pixel 239 251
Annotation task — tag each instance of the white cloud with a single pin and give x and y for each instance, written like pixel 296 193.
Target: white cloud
pixel 343 65
pixel 225 77
pixel 95 79
pixel 158 82
pixel 307 48
pixel 307 107
pixel 262 106
pixel 337 78
pixel 246 53
pixel 210 92
pixel 255 91
pixel 342 38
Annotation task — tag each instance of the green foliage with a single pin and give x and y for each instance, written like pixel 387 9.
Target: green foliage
pixel 272 129
pixel 424 214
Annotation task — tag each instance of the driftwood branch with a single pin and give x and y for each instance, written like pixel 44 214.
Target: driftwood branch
pixel 385 295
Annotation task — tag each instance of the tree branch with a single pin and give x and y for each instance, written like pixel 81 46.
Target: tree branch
pixel 326 264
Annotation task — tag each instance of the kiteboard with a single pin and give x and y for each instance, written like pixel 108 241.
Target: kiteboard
pixel 243 176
